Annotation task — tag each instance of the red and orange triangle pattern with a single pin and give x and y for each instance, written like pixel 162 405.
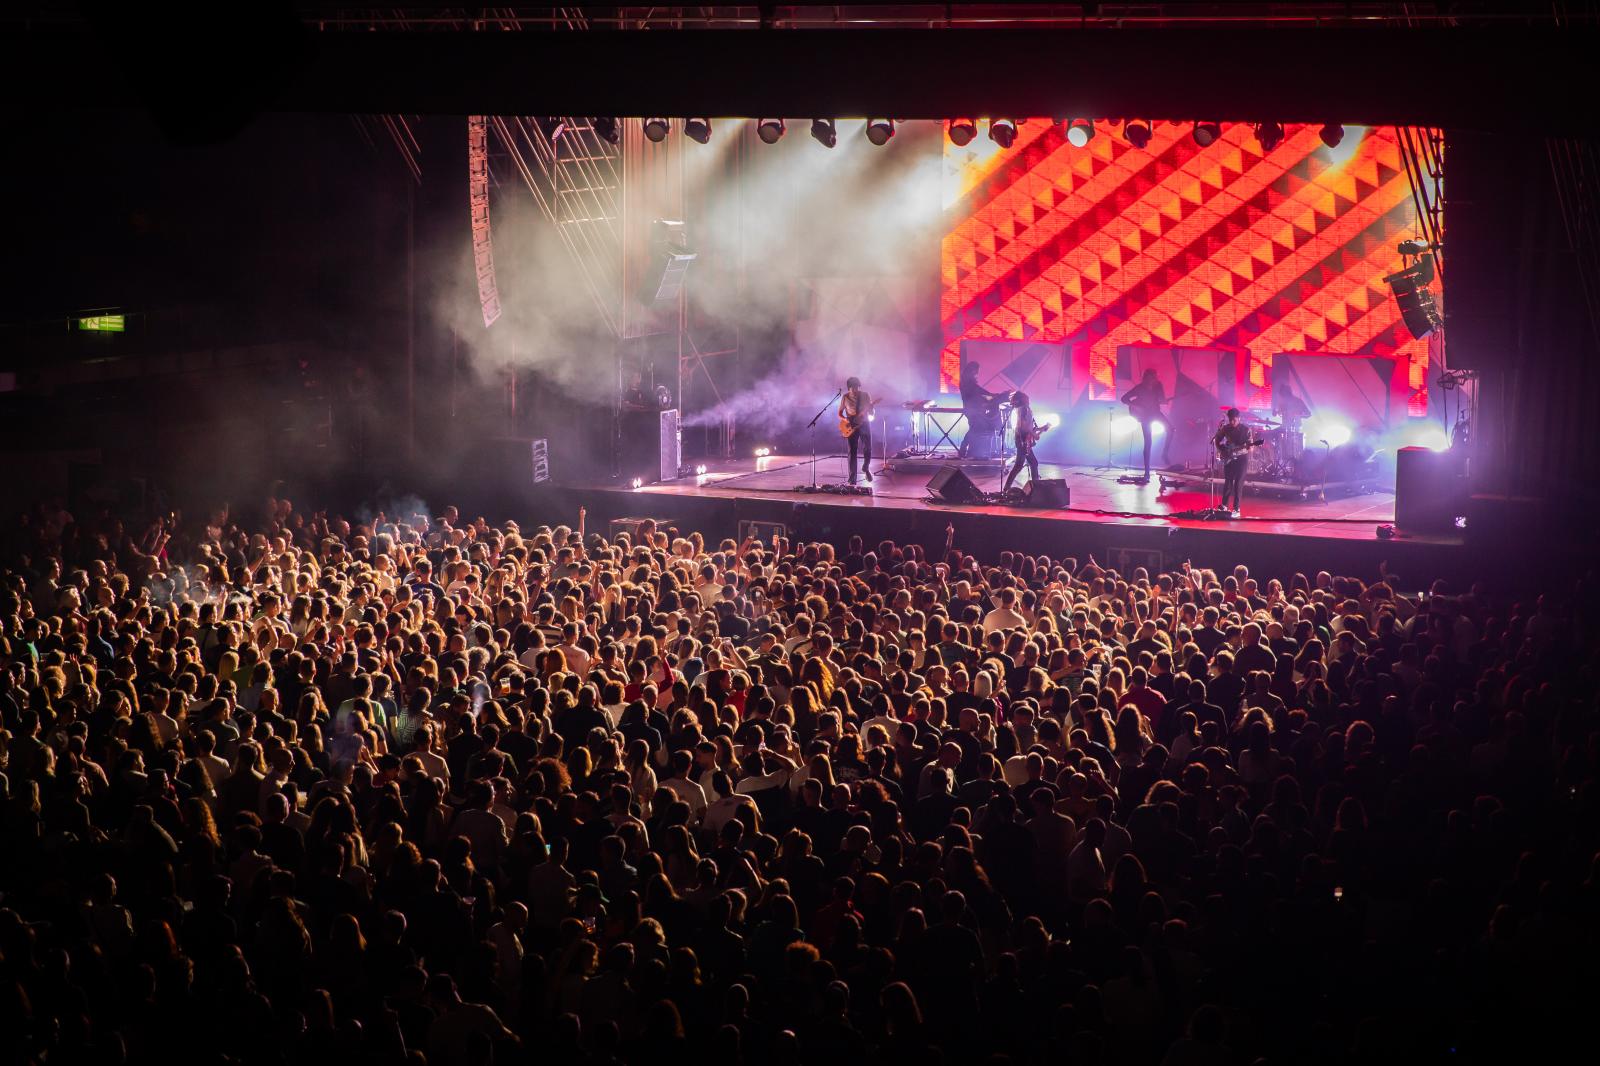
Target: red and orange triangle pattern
pixel 1173 244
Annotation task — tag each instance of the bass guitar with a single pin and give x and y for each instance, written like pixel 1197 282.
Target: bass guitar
pixel 1144 409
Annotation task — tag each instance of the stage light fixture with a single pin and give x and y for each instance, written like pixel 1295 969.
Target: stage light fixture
pixel 1003 131
pixel 697 129
pixel 769 130
pixel 607 129
pixel 1332 134
pixel 826 131
pixel 655 129
pixel 1206 133
pixel 879 130
pixel 1080 131
pixel 961 131
pixel 1269 134
pixel 1137 131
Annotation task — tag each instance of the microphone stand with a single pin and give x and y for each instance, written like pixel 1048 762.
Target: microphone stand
pixel 1111 436
pixel 1211 481
pixel 812 426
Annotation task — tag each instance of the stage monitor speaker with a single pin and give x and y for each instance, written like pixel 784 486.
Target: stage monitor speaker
pixel 1048 492
pixel 951 485
pixel 1429 490
pixel 651 446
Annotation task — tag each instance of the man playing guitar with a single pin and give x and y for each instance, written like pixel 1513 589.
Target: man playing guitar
pixel 855 414
pixel 1028 433
pixel 1233 442
pixel 1145 401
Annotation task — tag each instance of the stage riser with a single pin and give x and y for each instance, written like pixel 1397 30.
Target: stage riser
pixel 835 519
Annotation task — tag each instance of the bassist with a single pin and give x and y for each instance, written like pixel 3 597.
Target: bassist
pixel 1145 401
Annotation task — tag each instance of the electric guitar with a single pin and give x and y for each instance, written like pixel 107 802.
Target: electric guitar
pixel 848 424
pixel 1230 452
pixel 1032 436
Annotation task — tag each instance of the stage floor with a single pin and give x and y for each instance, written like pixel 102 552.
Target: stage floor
pixel 1097 497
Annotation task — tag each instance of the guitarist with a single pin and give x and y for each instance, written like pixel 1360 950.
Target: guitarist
pixel 1233 443
pixel 855 410
pixel 1028 433
pixel 1145 401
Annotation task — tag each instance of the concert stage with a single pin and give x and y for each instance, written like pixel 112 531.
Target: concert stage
pixel 1136 524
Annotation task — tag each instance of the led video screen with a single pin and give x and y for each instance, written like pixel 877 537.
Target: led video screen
pixel 1225 247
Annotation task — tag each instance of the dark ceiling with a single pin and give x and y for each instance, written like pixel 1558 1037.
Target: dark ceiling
pixel 1470 66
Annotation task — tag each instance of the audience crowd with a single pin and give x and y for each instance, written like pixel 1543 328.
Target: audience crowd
pixel 293 788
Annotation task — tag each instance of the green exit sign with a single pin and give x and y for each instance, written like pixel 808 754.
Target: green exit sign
pixel 102 324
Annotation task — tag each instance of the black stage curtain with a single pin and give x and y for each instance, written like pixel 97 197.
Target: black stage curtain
pixel 1515 312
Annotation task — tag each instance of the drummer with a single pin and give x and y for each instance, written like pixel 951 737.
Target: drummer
pixel 1288 406
pixel 1292 411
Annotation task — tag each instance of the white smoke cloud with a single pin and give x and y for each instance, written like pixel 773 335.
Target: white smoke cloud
pixel 798 212
pixel 824 234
